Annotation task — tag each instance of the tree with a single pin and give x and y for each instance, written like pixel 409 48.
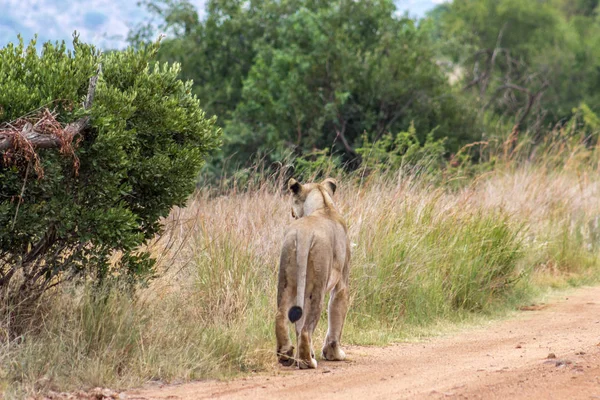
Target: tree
pixel 217 52
pixel 297 75
pixel 138 154
pixel 339 70
pixel 529 63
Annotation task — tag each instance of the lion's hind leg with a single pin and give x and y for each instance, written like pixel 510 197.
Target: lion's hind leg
pixel 285 349
pixel 306 356
pixel 306 327
pixel 285 295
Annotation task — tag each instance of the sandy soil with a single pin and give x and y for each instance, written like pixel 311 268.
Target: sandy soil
pixel 546 352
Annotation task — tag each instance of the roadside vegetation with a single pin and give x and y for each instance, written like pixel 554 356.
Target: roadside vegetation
pixel 426 253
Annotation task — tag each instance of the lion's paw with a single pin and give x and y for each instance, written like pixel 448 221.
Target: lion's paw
pixel 304 364
pixel 333 352
pixel 286 357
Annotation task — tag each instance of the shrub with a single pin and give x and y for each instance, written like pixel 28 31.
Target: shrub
pixel 139 155
pixel 403 152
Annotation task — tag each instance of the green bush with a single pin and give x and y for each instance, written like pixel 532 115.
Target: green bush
pixel 404 151
pixel 139 156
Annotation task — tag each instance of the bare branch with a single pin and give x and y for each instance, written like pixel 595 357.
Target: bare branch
pixel 340 135
pixel 41 140
pixel 92 89
pixel 492 61
pixel 533 99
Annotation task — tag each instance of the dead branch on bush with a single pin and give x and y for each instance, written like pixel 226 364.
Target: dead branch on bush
pixel 21 138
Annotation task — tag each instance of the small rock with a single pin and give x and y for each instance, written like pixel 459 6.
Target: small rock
pixel 563 363
pixel 559 363
pixel 551 355
pixel 518 346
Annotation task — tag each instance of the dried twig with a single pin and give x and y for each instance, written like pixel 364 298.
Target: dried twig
pixel 19 139
pixel 20 197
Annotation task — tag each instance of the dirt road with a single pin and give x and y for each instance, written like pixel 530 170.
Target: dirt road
pixel 502 360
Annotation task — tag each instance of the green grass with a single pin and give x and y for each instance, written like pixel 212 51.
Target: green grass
pixel 426 259
pixel 424 267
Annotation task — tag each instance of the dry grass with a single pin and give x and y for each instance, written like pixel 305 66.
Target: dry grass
pixel 423 253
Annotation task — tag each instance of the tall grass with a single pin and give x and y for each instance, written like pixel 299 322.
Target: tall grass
pixel 423 252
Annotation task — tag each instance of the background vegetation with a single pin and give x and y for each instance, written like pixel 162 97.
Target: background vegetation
pixel 465 144
pixel 299 76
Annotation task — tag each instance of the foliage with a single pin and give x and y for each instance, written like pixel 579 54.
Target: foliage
pixel 216 53
pixel 301 76
pixel 140 156
pixel 586 123
pixel 317 165
pixel 403 152
pixel 528 63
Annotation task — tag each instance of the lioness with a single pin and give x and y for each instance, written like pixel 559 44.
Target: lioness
pixel 315 259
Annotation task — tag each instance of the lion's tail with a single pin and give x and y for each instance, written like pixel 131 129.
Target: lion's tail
pixel 302 250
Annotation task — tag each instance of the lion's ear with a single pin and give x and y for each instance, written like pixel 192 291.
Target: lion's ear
pixel 294 186
pixel 330 184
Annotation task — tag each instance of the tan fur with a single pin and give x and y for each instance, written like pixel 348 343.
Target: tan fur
pixel 315 259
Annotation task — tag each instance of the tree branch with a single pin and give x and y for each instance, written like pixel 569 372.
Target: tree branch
pixel 492 61
pixel 42 140
pixel 533 98
pixel 340 135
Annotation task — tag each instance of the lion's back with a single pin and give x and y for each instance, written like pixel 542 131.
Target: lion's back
pixel 328 237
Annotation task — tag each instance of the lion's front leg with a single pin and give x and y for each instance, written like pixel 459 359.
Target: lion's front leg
pixel 336 314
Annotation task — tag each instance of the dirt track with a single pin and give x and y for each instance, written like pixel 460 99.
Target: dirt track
pixel 505 359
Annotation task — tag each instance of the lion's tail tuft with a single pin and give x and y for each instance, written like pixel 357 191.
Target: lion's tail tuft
pixel 295 313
